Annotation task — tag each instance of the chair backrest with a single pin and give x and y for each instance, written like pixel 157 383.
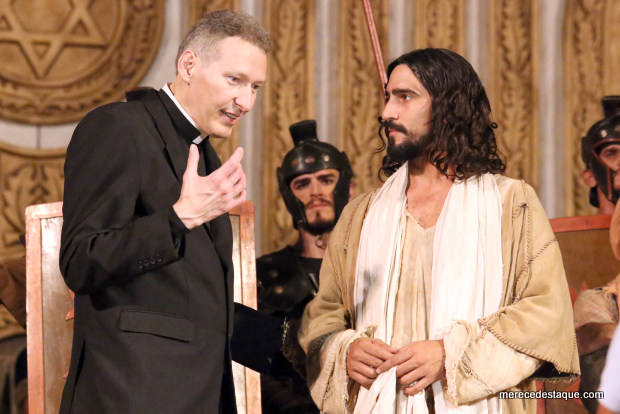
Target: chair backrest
pixel 50 307
pixel 586 251
pixel 589 263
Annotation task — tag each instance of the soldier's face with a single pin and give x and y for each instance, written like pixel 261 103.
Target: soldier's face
pixel 316 192
pixel 610 155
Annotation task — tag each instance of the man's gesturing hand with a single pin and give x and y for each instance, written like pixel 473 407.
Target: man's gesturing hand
pixel 365 355
pixel 205 198
pixel 420 363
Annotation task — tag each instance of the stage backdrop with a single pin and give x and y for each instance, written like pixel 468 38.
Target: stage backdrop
pixel 545 64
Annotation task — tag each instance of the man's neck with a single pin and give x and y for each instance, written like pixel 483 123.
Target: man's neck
pixel 605 206
pixel 311 246
pixel 179 90
pixel 427 191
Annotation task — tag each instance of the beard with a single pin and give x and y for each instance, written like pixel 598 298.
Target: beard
pixel 413 146
pixel 321 226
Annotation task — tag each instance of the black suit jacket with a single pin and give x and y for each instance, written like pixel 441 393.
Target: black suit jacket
pixel 153 301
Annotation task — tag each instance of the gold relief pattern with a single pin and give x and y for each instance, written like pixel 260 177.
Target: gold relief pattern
pixel 440 23
pixel 288 99
pixel 360 96
pixel 197 8
pixel 27 177
pixel 61 58
pixel 585 48
pixel 513 91
pixel 611 69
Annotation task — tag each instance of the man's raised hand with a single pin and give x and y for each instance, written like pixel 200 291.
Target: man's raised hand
pixel 205 198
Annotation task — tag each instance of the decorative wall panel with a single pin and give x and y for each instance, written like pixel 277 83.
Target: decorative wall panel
pixel 197 8
pixel 360 98
pixel 513 90
pixel 440 23
pixel 27 177
pixel 591 49
pixel 60 59
pixel 288 96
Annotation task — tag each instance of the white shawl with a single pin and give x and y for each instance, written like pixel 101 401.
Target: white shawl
pixel 466 277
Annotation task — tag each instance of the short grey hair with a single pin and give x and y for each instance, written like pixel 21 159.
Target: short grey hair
pixel 205 36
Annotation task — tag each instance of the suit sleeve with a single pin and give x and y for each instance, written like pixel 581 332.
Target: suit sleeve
pixel 107 237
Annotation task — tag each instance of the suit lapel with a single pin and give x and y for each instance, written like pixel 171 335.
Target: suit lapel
pixel 176 149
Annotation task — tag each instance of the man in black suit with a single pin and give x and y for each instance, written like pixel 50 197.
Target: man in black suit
pixel 146 241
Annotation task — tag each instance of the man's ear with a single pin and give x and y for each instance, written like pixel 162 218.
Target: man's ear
pixel 352 192
pixel 588 178
pixel 186 65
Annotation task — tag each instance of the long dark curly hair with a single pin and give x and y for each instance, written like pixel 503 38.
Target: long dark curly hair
pixel 460 124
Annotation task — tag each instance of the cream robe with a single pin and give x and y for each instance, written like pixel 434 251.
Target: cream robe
pixel 500 352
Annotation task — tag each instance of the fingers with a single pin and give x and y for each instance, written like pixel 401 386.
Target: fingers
pixel 364 370
pixel 407 366
pixel 232 164
pixel 360 379
pixel 414 376
pixel 360 363
pixel 379 350
pixel 393 361
pixel 369 360
pixel 383 345
pixel 418 387
pixel 236 156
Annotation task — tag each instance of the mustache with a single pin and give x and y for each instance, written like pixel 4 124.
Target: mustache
pixel 318 201
pixel 394 126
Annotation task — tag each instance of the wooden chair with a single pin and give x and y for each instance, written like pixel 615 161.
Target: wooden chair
pixel 589 263
pixel 50 307
pixel 586 251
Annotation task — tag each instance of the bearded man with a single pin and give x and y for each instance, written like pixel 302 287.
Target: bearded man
pixel 315 181
pixel 445 286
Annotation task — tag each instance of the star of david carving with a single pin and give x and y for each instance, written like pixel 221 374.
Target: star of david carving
pixel 42 49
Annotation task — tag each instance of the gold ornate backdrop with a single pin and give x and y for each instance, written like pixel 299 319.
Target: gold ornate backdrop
pixel 61 59
pixel 26 177
pixel 591 61
pixel 513 90
pixel 592 70
pixel 360 97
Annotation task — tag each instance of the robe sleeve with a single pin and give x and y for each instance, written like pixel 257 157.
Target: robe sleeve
pixel 325 337
pixel 531 336
pixel 469 376
pixel 326 328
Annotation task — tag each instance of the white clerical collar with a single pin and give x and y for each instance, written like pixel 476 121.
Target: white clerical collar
pixel 166 89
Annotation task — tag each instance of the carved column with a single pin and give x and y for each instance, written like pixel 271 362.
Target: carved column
pixel 360 96
pixel 288 96
pixel 26 177
pixel 513 88
pixel 440 23
pixel 197 8
pixel 591 46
